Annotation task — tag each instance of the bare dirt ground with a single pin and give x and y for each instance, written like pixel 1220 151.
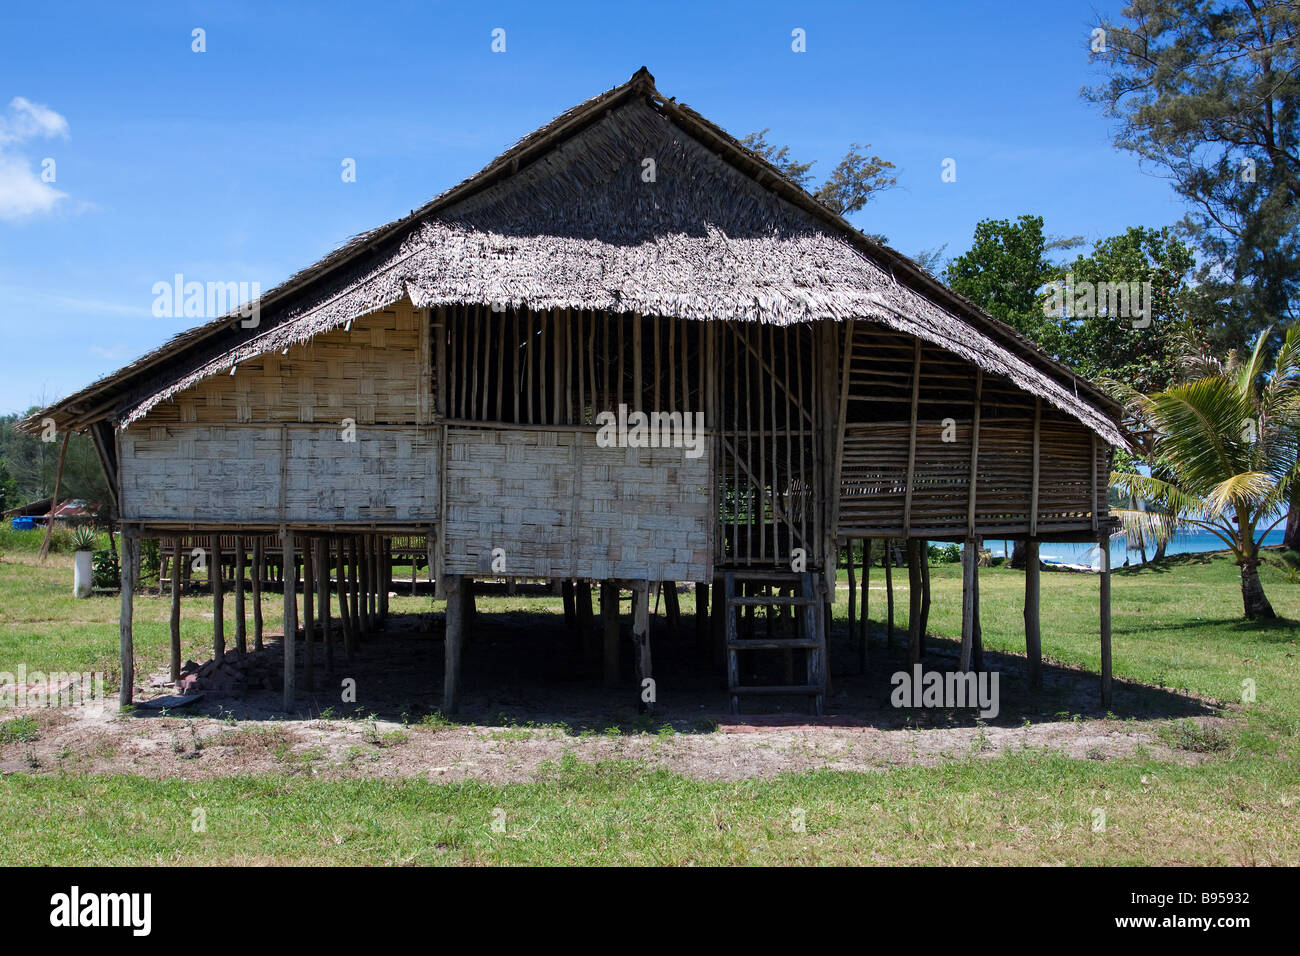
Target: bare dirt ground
pixel 532 694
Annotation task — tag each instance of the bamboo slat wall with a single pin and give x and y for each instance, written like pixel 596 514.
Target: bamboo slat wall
pixel 565 366
pixel 883 433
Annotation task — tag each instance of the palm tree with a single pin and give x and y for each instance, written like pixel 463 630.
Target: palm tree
pixel 1225 443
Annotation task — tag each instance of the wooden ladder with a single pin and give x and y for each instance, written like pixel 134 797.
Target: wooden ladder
pixel 811 638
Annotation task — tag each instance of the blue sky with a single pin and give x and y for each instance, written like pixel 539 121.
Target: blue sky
pixel 225 165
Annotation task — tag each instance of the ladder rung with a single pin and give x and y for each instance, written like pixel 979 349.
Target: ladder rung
pixel 761 575
pixel 777 644
pixel 760 601
pixel 800 689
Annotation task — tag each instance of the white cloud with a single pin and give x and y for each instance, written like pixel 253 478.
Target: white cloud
pixel 27 119
pixel 23 192
pixel 109 352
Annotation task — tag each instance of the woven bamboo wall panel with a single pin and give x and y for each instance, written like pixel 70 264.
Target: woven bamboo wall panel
pixel 372 373
pixel 560 506
pixel 235 473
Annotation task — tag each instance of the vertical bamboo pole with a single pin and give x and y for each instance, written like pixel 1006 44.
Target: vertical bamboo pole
pixel 889 589
pixel 915 589
pixel 969 581
pixel 130 547
pixel 609 616
pixel 641 645
pixel 345 617
pixel 1104 542
pixel 309 613
pixel 218 602
pixel 863 624
pixel 354 594
pixel 241 621
pixel 259 575
pixel 323 585
pixel 290 615
pixel 175 672
pixel 1033 628
pixel 453 633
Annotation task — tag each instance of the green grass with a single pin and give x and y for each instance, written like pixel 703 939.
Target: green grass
pixel 1232 800
pixel 1015 809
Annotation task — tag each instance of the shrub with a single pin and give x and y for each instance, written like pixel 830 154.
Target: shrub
pixel 106 573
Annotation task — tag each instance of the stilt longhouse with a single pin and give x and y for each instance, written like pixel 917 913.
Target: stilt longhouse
pixel 442 381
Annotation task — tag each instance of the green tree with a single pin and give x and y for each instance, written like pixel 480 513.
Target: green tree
pixel 1005 270
pixel 1209 93
pixel 1140 350
pixel 850 186
pixel 1226 442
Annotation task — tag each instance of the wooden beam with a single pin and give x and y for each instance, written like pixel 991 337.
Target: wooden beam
pixel 911 444
pixel 454 619
pixel 130 548
pixel 290 615
pixel 974 454
pixel 1033 629
pixel 1033 493
pixel 586 620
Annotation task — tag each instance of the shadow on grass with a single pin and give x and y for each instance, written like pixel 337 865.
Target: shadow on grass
pixel 525 672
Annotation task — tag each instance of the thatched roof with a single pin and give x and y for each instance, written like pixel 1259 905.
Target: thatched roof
pixel 566 219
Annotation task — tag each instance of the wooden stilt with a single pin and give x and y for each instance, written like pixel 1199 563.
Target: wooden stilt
pixel 241 623
pixel 977 635
pixel 309 614
pixel 364 583
pixel 570 613
pixel 1033 627
pixel 290 616
pixel 609 614
pixel 672 608
pixel 641 646
pixel 130 547
pixel 1104 543
pixel 586 621
pixel 866 599
pixel 218 602
pixel 702 618
pixel 925 592
pixel 853 589
pixel 323 590
pixel 453 632
pixel 259 575
pixel 914 588
pixel 345 618
pixel 175 672
pixel 354 593
pixel 969 581
pixel 385 575
pixel 889 588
